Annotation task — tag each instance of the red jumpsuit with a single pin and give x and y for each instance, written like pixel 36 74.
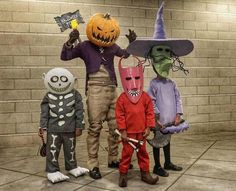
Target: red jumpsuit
pixel 134 118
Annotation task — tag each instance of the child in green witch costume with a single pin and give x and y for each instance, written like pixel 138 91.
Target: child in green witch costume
pixel 163 54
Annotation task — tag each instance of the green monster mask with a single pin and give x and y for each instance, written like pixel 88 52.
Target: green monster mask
pixel 161 58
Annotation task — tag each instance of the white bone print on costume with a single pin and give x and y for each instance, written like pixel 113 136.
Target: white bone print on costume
pixel 70 103
pixel 61 103
pixel 51 105
pixel 71 113
pixel 52 114
pixel 72 156
pixel 53 154
pixel 53 141
pixel 52 97
pixel 60 109
pixel 68 95
pixel 60 123
pixel 61 97
pixel 72 143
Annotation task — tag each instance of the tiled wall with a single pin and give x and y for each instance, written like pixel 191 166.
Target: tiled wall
pixel 30 44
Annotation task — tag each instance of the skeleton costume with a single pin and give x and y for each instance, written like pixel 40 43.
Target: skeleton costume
pixel 163 54
pixel 61 113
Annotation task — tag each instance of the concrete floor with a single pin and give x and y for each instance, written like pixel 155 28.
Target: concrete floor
pixel 209 163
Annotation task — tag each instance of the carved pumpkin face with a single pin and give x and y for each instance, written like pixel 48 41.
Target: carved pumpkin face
pixel 102 30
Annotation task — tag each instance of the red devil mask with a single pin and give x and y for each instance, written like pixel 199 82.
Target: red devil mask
pixel 132 81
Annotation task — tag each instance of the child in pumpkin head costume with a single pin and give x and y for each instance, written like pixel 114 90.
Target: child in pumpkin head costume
pixel 163 54
pixel 135 117
pixel 98 54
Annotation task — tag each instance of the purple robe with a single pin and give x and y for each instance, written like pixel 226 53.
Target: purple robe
pixel 166 99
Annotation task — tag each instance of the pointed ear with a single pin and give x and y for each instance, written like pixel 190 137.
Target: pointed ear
pixel 43 76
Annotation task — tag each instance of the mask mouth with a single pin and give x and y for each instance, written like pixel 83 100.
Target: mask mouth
pixel 134 92
pixel 59 90
pixel 103 39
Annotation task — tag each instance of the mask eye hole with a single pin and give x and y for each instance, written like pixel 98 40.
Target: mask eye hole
pixel 128 78
pixel 54 79
pixel 160 49
pixel 167 50
pixel 99 28
pixel 137 77
pixel 64 79
pixel 112 30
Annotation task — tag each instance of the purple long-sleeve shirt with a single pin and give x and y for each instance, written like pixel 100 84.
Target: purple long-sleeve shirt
pixel 166 99
pixel 93 57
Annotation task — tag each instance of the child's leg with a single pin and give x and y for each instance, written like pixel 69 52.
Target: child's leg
pixel 168 164
pixel 126 157
pixel 166 150
pixel 143 161
pixel 156 156
pixel 127 152
pixel 157 168
pixel 52 152
pixel 69 143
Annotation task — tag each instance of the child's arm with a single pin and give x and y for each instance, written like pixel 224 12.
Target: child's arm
pixel 120 118
pixel 179 107
pixel 150 117
pixel 44 116
pixel 79 113
pixel 152 93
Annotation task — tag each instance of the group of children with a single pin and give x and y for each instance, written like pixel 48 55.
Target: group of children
pixel 135 113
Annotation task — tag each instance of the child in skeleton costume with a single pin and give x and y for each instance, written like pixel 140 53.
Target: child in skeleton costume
pixel 162 90
pixel 62 117
pixel 135 117
pixel 98 55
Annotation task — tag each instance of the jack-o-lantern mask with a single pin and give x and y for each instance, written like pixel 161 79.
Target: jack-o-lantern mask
pixel 102 30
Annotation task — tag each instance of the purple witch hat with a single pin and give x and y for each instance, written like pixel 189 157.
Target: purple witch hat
pixel 141 47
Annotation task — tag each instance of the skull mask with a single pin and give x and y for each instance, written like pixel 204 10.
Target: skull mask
pixel 59 81
pixel 161 58
pixel 132 81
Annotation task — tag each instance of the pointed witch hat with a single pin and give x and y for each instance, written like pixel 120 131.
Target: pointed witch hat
pixel 141 47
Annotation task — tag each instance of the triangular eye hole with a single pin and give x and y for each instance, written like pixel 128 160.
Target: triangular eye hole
pixel 99 28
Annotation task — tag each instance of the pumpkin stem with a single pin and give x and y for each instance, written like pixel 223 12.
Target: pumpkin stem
pixel 107 16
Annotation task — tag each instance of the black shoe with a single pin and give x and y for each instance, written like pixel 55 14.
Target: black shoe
pixel 95 173
pixel 160 171
pixel 113 164
pixel 116 165
pixel 172 166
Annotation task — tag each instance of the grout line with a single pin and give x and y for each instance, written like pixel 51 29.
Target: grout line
pixel 210 177
pixel 190 166
pixel 13 181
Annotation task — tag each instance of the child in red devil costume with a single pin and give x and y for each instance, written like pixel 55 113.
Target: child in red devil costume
pixel 134 117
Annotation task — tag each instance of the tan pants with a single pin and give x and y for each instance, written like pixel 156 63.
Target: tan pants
pixel 101 107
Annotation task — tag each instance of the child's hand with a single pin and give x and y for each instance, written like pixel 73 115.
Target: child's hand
pixel 160 126
pixel 177 119
pixel 78 132
pixel 146 132
pixel 123 134
pixel 40 132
